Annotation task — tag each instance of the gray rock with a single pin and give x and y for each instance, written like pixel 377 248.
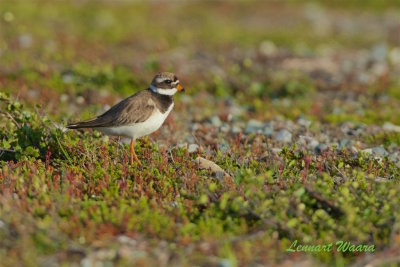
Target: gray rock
pixel 225 263
pixel 236 110
pixel 68 78
pixel 390 127
pixel 64 98
pixel 378 151
pixel 253 126
pixel 189 139
pixel 25 40
pixel 174 204
pixel 395 157
pixel 284 136
pixel 379 69
pixel 364 78
pixel 225 128
pixel 215 121
pixel 313 144
pixel 351 129
pixel 381 179
pixel 193 148
pixel 223 147
pixel 123 239
pixel 208 164
pixel 290 125
pixel 344 143
pixel 379 52
pixel 392 147
pixel 182 145
pixel 269 130
pixel 268 48
pixel 360 111
pixel 195 126
pixel 321 148
pixel 236 129
pixel 353 149
pixel 80 100
pixel 304 122
pixel 302 140
pixel 307 141
pixel 394 55
pixel 337 110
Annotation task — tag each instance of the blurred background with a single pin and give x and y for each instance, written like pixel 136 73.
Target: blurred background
pixel 65 54
pixel 297 101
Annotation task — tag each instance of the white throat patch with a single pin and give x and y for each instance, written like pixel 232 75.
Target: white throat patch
pixel 163 91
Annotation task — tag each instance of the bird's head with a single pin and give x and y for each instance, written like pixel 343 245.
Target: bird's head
pixel 166 83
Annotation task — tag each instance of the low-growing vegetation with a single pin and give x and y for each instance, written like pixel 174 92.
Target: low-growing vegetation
pixel 303 125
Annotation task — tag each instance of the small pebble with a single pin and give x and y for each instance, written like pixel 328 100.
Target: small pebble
pixel 268 48
pixel 253 126
pixel 390 127
pixel 395 157
pixel 193 148
pixel 379 52
pixel 208 164
pixel 223 147
pixel 64 98
pixel 182 145
pixel 226 263
pixel 313 144
pixel 269 130
pixel 80 100
pixel 344 143
pixel 68 78
pixel 25 40
pixel 236 129
pixel 379 151
pixel 215 121
pixel 189 139
pixel 304 122
pixel 321 148
pixel 225 128
pixel 195 126
pixel 284 136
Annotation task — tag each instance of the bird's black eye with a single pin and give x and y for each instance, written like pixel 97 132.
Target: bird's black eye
pixel 168 81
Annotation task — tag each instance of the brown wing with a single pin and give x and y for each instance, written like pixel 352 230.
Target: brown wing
pixel 134 109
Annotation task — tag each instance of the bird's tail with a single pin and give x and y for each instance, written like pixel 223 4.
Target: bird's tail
pixel 77 125
pixel 82 124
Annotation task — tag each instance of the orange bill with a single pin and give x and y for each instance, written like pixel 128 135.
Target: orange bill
pixel 180 88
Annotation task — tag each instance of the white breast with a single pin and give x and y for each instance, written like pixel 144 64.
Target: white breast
pixel 137 130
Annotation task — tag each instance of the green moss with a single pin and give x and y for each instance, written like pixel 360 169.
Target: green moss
pixel 386 139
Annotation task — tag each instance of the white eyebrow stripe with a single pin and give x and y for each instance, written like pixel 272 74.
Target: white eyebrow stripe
pixel 176 82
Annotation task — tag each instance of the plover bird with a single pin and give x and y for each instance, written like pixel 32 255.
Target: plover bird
pixel 140 114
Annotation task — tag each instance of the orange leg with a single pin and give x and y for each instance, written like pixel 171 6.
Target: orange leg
pixel 133 154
